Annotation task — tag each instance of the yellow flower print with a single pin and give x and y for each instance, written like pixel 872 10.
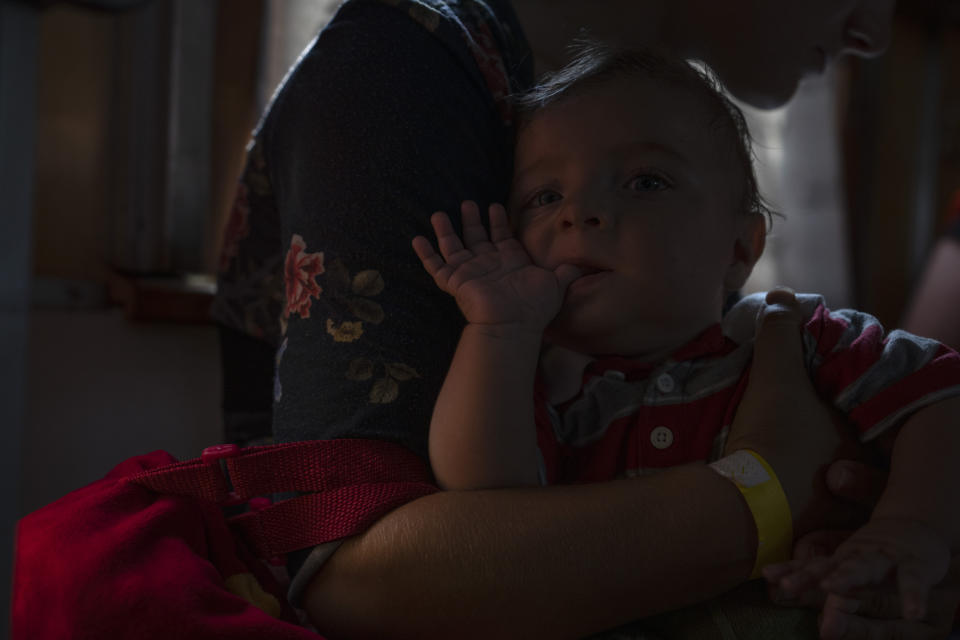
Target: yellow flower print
pixel 344 332
pixel 356 292
pixel 367 283
pixel 360 369
pixel 384 391
pixel 400 371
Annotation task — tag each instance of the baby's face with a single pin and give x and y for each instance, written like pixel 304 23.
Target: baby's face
pixel 628 182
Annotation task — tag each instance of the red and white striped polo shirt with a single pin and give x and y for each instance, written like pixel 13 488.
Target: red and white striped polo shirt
pixel 632 418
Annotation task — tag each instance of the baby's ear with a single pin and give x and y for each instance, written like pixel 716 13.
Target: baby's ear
pixel 751 240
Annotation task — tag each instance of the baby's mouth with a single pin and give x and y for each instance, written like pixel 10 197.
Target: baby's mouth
pixel 589 277
pixel 588 269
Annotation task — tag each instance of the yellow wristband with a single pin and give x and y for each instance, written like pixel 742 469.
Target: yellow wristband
pixel 768 504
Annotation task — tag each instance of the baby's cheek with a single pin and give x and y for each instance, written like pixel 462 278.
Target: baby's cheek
pixel 537 244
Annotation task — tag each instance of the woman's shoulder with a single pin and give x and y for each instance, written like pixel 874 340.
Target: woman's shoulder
pixel 488 27
pixel 484 36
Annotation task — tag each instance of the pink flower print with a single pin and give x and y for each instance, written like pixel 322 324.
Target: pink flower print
pixel 300 272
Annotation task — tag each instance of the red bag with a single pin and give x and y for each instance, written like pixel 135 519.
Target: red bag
pixel 147 552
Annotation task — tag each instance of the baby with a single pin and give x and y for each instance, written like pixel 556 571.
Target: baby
pixel 595 344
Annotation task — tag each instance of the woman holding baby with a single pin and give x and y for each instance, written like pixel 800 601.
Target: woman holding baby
pixel 400 108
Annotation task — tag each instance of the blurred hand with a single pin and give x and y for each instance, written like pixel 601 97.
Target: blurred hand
pixel 869 614
pixel 875 613
pixel 782 418
pixel 886 551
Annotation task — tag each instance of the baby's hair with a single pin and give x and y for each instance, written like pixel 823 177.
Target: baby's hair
pixel 594 63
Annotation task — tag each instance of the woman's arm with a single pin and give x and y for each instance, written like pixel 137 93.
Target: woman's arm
pixel 383 122
pixel 556 562
pixel 571 560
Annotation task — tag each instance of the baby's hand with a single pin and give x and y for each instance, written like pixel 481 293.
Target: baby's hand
pixel 904 552
pixel 493 279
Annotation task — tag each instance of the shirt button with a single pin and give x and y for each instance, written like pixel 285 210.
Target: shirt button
pixel 665 383
pixel 613 374
pixel 661 437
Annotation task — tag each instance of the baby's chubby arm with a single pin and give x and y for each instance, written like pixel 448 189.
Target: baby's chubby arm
pixel 914 529
pixel 482 433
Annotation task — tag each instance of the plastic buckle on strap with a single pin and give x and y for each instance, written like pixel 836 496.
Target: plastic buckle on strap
pixel 218 454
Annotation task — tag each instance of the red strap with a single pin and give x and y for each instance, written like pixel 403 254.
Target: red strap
pixel 316 518
pixel 317 465
pixel 324 465
pixel 190 478
pixel 351 483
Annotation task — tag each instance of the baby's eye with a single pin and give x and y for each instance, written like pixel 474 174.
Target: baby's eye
pixel 647 182
pixel 545 197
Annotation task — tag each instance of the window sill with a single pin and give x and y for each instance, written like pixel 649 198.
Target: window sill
pixel 175 299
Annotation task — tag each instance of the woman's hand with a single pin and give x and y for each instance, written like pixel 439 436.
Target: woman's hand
pixel 493 279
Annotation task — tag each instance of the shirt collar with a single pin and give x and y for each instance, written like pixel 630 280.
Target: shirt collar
pixel 555 386
pixel 709 342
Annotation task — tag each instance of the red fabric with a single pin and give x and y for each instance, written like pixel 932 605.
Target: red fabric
pixel 116 559
pixel 345 479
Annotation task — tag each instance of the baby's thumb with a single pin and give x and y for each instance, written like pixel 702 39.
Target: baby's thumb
pixel 778 353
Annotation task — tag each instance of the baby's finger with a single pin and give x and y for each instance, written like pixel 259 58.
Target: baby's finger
pixel 430 259
pixel 858 570
pixel 447 239
pixel 499 224
pixel 775 572
pixel 914 584
pixel 812 599
pixel 474 235
pixel 819 543
pixel 880 604
pixel 433 263
pixel 806 577
pixel 836 624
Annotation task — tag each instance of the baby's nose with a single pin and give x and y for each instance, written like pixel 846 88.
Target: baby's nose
pixel 585 213
pixel 587 221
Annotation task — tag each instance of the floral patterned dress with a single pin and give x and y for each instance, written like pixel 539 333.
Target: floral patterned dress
pixel 397 110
